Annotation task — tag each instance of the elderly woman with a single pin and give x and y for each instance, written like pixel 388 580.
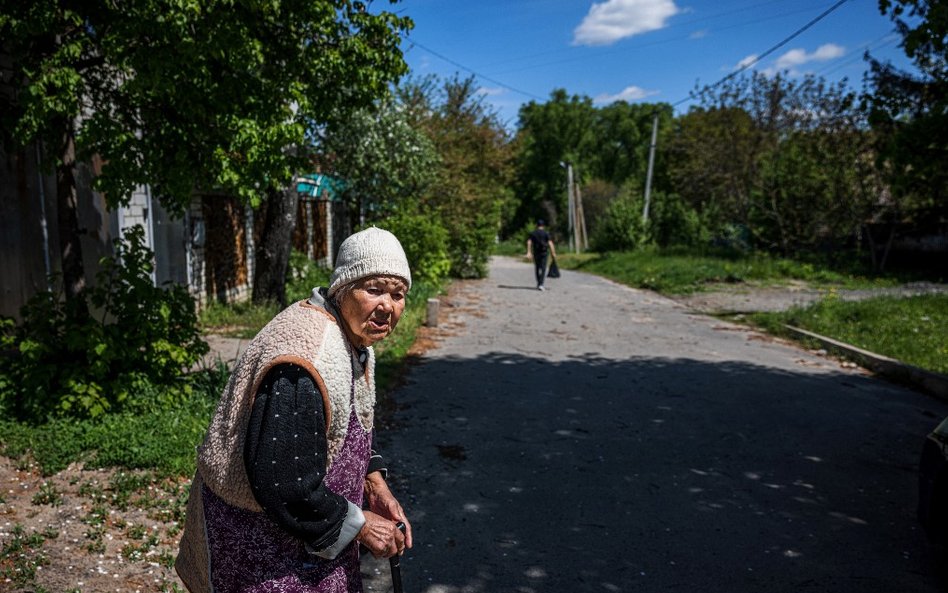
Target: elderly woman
pixel 287 483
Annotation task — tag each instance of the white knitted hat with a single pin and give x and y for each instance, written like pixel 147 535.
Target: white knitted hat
pixel 372 252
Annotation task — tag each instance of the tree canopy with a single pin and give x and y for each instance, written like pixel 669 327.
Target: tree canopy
pixel 189 95
pixel 193 94
pixel 790 160
pixel 909 111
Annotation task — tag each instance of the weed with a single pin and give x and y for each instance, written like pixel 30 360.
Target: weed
pixel 91 489
pixel 125 485
pixel 96 544
pixel 166 559
pixel 48 494
pixel 137 553
pixel 136 532
pixel 21 556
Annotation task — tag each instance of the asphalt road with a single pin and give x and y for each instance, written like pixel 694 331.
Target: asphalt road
pixel 599 438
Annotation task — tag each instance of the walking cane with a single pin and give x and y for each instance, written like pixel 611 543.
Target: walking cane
pixel 395 563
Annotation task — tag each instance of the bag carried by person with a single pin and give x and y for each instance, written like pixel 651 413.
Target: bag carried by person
pixel 554 270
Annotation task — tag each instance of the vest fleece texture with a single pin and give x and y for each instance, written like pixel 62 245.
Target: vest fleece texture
pixel 303 334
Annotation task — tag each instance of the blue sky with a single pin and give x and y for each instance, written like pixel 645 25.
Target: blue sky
pixel 637 50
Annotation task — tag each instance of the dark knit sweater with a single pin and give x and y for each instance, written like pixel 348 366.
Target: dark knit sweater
pixel 286 474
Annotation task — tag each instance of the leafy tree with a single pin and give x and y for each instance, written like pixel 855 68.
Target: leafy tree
pixel 185 96
pixel 909 111
pixel 472 185
pixel 714 162
pixel 624 133
pixel 789 160
pixel 597 195
pixel 674 223
pixel 384 160
pixel 561 130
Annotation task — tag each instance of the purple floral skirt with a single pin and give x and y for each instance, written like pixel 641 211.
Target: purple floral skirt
pixel 249 553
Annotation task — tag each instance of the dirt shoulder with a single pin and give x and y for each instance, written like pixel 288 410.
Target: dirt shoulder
pixel 88 530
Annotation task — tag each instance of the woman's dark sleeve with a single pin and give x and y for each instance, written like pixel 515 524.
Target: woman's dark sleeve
pixel 376 463
pixel 285 456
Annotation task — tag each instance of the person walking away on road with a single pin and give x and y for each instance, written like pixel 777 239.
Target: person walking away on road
pixel 539 246
pixel 288 484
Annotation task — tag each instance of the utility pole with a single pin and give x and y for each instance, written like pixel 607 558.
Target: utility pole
pixel 582 238
pixel 569 202
pixel 651 163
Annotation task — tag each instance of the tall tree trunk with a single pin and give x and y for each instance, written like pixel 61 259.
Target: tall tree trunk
pixel 273 250
pixel 67 215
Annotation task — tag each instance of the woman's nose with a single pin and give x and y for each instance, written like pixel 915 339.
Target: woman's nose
pixel 386 303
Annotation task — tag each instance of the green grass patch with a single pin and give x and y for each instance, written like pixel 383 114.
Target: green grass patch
pixel 910 329
pixel 21 555
pixel 678 272
pixel 159 440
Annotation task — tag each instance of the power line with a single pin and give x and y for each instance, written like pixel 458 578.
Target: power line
pixel 757 59
pixel 477 74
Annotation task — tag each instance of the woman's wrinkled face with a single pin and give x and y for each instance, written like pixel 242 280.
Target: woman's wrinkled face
pixel 372 308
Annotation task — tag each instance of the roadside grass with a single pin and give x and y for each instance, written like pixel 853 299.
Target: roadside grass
pixel 236 320
pixel 161 441
pixel 680 272
pixel 911 329
pixel 512 247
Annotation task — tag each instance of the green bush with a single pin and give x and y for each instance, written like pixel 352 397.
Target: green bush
pixel 425 240
pixel 621 227
pixel 674 223
pixel 121 344
pixel 472 240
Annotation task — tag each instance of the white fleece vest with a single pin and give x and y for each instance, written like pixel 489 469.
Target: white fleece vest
pixel 303 334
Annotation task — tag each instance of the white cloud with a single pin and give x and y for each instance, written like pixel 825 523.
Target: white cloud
pixel 490 92
pixel 746 62
pixel 629 93
pixel 699 34
pixel 612 20
pixel 798 57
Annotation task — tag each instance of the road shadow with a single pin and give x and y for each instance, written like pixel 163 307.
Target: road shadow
pixel 508 287
pixel 525 475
